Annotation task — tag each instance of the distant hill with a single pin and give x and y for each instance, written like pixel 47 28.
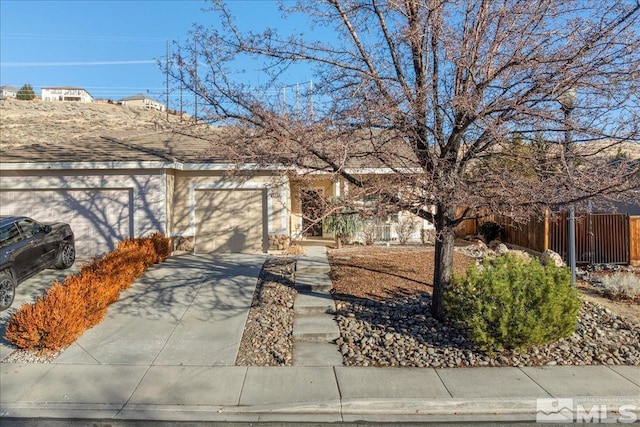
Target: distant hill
pixel 28 122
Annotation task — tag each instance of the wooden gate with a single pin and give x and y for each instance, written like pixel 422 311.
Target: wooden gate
pixel 600 238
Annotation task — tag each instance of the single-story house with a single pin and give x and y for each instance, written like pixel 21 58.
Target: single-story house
pixel 7 92
pixel 142 100
pixel 65 94
pixel 129 185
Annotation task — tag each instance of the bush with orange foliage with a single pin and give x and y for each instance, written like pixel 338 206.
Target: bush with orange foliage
pixel 66 310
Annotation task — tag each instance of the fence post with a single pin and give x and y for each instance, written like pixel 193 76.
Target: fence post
pixel 546 230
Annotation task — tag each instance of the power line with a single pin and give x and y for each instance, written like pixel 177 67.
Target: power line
pixel 76 63
pixel 81 37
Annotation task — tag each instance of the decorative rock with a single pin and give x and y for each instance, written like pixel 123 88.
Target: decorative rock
pixel 279 242
pixel 430 343
pixel 551 256
pixel 501 249
pixel 181 243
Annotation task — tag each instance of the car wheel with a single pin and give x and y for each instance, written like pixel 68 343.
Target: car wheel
pixel 7 290
pixel 66 256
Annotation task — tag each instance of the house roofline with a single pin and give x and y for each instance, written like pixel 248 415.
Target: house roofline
pixel 133 165
pixel 362 171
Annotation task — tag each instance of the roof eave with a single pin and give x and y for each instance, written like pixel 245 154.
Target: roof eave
pixel 120 165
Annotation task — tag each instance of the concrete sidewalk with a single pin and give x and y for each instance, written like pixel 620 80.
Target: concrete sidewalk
pixel 166 352
pixel 306 394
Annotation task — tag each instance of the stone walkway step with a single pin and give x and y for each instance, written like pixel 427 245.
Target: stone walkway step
pixel 316 354
pixel 315 328
pixel 314 303
pixel 313 270
pixel 313 283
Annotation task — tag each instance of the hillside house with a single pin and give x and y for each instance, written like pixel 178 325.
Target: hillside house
pixel 65 94
pixel 142 100
pixel 8 92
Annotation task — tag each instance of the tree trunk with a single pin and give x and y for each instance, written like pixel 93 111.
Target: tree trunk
pixel 443 262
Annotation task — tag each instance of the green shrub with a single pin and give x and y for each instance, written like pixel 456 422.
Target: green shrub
pixel 513 303
pixel 489 231
pixel 343 225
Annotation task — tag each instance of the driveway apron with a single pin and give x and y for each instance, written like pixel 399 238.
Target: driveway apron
pixel 189 310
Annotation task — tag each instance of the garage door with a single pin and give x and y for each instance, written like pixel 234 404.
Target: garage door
pixel 229 221
pixel 99 218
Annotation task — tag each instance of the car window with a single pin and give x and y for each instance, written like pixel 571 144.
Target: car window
pixel 29 227
pixel 9 234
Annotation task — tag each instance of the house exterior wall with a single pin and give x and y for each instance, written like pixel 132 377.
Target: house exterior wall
pixel 7 92
pixel 91 200
pixel 62 94
pixel 170 183
pixel 144 103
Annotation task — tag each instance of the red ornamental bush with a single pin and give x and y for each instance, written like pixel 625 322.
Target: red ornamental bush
pixel 66 310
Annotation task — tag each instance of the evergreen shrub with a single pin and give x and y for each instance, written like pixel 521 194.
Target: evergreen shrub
pixel 513 303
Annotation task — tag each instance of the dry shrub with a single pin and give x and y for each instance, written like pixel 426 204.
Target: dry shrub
pixel 294 249
pixel 162 246
pixel 622 286
pixel 55 320
pixel 67 309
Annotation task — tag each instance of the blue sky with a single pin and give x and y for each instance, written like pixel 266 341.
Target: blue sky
pixel 108 47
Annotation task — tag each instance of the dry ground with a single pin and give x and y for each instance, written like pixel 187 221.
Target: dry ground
pixel 28 122
pixel 379 273
pixel 630 310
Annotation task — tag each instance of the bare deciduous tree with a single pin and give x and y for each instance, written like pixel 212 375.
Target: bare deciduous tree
pixel 456 99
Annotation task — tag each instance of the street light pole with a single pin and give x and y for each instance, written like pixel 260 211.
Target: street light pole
pixel 567 100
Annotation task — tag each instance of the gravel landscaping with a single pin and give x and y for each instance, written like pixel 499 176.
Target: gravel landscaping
pixel 401 332
pixel 383 310
pixel 268 335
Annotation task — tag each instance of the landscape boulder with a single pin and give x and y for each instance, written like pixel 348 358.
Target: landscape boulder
pixel 551 256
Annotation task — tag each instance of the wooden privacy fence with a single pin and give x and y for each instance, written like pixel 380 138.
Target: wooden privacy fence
pixel 600 238
pixel 634 240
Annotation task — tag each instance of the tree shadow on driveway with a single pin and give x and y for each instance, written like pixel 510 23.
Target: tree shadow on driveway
pixel 208 286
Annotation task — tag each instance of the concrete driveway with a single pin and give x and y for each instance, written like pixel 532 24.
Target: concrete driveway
pixel 189 310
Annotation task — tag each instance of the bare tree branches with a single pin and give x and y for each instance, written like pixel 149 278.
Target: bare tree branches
pixel 436 93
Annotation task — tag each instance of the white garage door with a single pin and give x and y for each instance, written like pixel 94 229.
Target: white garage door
pixel 99 218
pixel 229 221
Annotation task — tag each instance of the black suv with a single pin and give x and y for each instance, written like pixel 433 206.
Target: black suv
pixel 28 247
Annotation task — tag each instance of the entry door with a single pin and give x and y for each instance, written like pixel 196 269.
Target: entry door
pixel 311 211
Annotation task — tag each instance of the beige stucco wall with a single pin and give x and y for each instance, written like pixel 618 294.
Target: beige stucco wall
pixel 170 183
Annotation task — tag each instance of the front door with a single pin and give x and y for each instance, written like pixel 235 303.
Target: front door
pixel 311 212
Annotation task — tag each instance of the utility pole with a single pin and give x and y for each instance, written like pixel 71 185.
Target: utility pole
pixel 195 80
pixel 167 76
pixel 284 100
pixel 311 99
